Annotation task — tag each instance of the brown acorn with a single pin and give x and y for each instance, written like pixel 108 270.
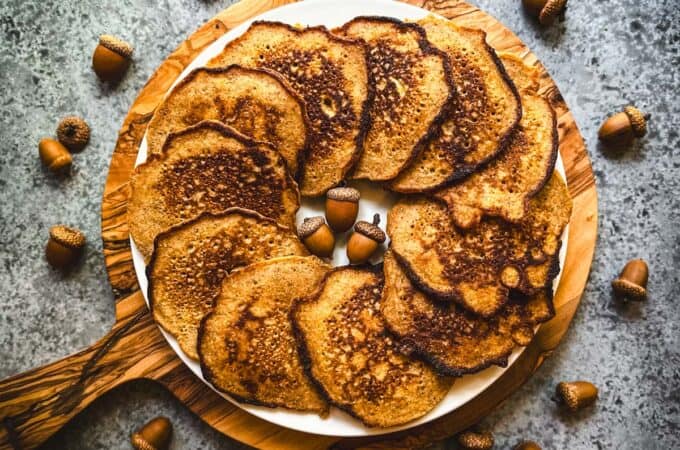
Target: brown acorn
pixel 476 440
pixel 342 206
pixel 632 283
pixel 365 240
pixel 155 435
pixel 576 394
pixel 623 127
pixel 64 247
pixel 111 58
pixel 54 156
pixel 73 132
pixel 527 445
pixel 316 236
pixel 546 11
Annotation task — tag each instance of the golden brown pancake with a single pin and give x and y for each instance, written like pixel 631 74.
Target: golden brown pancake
pixel 246 344
pixel 475 268
pixel 354 360
pixel 413 85
pixel 525 78
pixel 504 187
pixel 450 338
pixel 482 119
pixel 208 167
pixel 256 102
pixel 549 213
pixel 330 74
pixel 190 261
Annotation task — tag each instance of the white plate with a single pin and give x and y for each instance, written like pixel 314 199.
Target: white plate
pixel 332 13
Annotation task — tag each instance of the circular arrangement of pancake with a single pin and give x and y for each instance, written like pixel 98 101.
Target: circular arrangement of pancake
pixel 428 110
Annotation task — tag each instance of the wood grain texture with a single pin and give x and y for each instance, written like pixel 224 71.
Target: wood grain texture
pixel 35 404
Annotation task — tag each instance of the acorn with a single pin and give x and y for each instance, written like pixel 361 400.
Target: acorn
pixel 623 127
pixel 155 435
pixel 475 440
pixel 317 236
pixel 64 247
pixel 365 240
pixel 54 155
pixel 632 282
pixel 342 207
pixel 576 394
pixel 545 10
pixel 73 132
pixel 527 445
pixel 111 58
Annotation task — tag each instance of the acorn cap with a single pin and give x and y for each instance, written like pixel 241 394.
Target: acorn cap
pixel 638 121
pixel 629 289
pixel 371 230
pixel 309 226
pixel 476 440
pixel 344 194
pixel 551 10
pixel 67 236
pixel 116 45
pixel 73 132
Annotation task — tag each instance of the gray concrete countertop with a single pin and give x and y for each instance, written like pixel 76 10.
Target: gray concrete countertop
pixel 603 55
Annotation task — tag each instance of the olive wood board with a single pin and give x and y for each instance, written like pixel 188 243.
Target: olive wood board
pixel 37 403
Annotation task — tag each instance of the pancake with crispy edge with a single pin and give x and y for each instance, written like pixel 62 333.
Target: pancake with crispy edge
pixel 505 186
pixel 413 87
pixel 256 102
pixel 548 215
pixel 354 361
pixel 481 119
pixel 450 338
pixel 190 261
pixel 208 167
pixel 246 344
pixel 475 268
pixel 331 75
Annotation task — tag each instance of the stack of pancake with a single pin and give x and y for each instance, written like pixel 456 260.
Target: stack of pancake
pixel 428 110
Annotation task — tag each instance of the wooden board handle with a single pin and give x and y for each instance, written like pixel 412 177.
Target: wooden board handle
pixel 35 404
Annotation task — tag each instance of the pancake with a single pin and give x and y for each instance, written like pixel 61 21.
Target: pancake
pixel 549 213
pixel 352 358
pixel 190 261
pixel 525 78
pixel 475 268
pixel 413 85
pixel 453 340
pixel 208 167
pixel 246 344
pixel 330 74
pixel 255 102
pixel 484 114
pixel 504 187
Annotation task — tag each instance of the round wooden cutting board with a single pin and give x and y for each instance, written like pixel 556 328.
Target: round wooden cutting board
pixel 35 404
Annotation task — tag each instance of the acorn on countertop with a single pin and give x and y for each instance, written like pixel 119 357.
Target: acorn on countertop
pixel 365 240
pixel 64 247
pixel 316 236
pixel 527 445
pixel 54 156
pixel 73 132
pixel 476 440
pixel 342 206
pixel 623 127
pixel 111 58
pixel 546 11
pixel 576 394
pixel 155 435
pixel 632 282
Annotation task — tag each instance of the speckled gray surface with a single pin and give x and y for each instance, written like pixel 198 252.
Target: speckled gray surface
pixel 602 56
